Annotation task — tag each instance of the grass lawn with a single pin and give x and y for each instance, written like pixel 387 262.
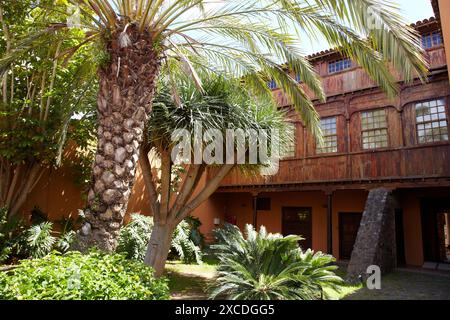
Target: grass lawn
pixel 187 281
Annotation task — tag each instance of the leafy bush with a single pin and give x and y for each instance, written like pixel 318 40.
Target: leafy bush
pixel 94 276
pixel 194 231
pixel 269 267
pixel 35 241
pixel 38 240
pixel 184 246
pixel 134 238
pixel 9 230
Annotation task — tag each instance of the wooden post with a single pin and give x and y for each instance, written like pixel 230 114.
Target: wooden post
pixel 329 222
pixel 255 210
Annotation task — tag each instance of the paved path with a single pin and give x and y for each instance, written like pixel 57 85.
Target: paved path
pixel 407 285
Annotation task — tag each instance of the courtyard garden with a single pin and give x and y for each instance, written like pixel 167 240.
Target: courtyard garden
pixel 113 90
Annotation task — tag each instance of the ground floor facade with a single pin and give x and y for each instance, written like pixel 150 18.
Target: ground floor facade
pixel 422 217
pixel 422 213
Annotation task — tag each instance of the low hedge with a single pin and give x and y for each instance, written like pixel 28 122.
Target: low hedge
pixel 92 276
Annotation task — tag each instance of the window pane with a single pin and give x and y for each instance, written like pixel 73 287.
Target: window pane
pixel 431 121
pixel 374 129
pixel 339 65
pixel 328 126
pixel 288 149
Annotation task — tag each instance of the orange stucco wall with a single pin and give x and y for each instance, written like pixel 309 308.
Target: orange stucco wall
pixel 56 194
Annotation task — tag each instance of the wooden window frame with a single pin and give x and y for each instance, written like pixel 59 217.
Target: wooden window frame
pixel 374 129
pixel 293 153
pixel 431 121
pixel 326 149
pixel 431 37
pixel 333 65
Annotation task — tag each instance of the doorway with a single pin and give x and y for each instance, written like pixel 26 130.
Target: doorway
pixel 348 230
pixel 298 221
pixel 435 216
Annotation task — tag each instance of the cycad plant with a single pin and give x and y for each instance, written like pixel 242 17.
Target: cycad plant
pixel 266 266
pixel 246 39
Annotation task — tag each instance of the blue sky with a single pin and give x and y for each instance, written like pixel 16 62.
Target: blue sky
pixel 412 10
pixel 415 10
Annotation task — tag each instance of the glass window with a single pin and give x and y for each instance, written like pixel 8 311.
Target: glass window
pixel 431 40
pixel 328 126
pixel 288 149
pixel 339 65
pixel 374 129
pixel 272 84
pixel 431 121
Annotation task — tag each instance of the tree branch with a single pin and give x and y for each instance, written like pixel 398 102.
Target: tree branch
pixel 194 171
pixel 207 191
pixel 148 180
pixel 166 177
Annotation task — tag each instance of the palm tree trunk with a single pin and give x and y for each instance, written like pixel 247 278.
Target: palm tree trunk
pixel 126 88
pixel 158 247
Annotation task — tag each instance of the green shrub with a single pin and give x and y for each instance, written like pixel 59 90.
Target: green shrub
pixel 134 238
pixel 72 276
pixel 195 235
pixel 183 246
pixel 270 267
pixel 36 241
pixel 9 230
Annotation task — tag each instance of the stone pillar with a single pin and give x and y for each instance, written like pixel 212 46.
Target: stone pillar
pixel 375 242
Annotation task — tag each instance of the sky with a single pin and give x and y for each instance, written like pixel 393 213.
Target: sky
pixel 412 10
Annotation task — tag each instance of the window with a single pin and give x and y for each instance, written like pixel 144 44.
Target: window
pixel 431 40
pixel 374 129
pixel 289 146
pixel 272 84
pixel 339 65
pixel 431 121
pixel 328 126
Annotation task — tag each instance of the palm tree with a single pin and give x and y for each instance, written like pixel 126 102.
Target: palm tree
pixel 270 267
pixel 244 39
pixel 175 190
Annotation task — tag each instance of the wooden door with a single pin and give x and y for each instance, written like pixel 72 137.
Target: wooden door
pixel 298 221
pixel 348 230
pixel 432 228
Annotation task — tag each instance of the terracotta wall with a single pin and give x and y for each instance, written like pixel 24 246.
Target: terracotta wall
pixel 56 194
pixel 239 205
